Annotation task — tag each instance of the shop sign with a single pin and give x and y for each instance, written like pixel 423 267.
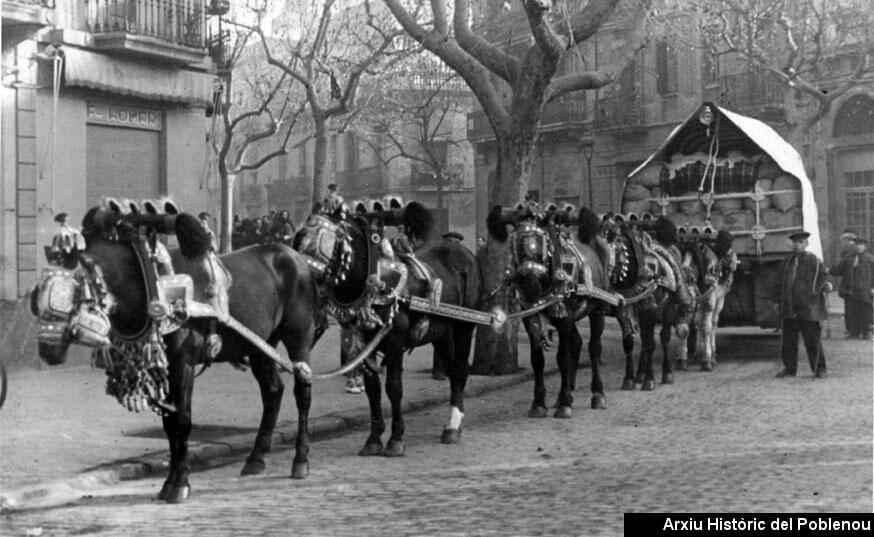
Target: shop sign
pixel 120 115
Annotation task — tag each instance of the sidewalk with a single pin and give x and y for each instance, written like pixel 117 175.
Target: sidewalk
pixel 60 434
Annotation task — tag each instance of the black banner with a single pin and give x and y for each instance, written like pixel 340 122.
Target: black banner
pixel 759 524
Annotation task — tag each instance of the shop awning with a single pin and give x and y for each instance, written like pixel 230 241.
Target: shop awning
pixel 120 75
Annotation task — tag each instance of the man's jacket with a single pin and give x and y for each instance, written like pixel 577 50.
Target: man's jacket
pixel 857 276
pixel 802 296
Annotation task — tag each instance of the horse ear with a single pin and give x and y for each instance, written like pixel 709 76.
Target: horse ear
pixel 149 206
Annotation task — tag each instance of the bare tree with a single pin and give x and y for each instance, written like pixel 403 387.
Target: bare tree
pixel 529 78
pixel 818 48
pixel 254 105
pixel 328 46
pixel 414 114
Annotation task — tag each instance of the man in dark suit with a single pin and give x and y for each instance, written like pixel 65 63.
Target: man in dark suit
pixel 857 286
pixel 802 306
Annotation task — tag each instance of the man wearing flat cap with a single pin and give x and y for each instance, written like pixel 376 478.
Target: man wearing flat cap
pixel 857 288
pixel 67 244
pixel 802 307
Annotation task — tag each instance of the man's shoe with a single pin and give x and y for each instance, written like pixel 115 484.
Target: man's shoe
pixel 785 373
pixel 821 374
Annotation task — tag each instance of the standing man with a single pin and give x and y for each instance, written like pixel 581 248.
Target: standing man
pixel 857 289
pixel 67 244
pixel 848 251
pixel 802 308
pixel 204 221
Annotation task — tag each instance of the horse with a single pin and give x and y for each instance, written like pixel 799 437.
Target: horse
pixel 547 266
pixel 272 294
pixel 672 305
pixel 368 288
pixel 714 263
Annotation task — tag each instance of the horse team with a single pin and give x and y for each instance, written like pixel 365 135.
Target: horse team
pixel 564 266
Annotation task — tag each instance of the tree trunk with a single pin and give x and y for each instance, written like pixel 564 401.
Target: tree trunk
pixel 496 353
pixel 320 159
pixel 226 222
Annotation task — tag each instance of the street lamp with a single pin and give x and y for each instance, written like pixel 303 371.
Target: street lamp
pixel 587 145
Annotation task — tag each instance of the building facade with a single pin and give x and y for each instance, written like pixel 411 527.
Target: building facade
pixel 590 141
pixel 99 99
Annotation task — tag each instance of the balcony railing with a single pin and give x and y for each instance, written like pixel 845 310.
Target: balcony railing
pixel 422 177
pixel 568 110
pixel 177 21
pixel 751 90
pixel 363 182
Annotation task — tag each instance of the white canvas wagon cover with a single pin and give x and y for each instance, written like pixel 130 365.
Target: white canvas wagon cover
pixel 751 134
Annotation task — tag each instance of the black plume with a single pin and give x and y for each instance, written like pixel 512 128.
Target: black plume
pixel 495 224
pixel 724 240
pixel 589 224
pixel 665 231
pixel 418 220
pixel 193 238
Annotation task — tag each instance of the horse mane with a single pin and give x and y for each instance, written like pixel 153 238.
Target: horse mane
pixel 496 226
pixel 588 225
pixel 418 220
pixel 665 231
pixel 724 241
pixel 193 239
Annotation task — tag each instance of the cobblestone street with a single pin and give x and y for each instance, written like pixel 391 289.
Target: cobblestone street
pixel 734 440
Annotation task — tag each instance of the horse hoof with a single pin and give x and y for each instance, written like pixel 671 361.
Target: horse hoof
pixel 628 385
pixel 706 366
pixel 537 412
pixel 599 402
pixel 648 385
pixel 394 449
pixel 563 412
pixel 165 491
pixel 300 470
pixel 667 379
pixel 252 467
pixel 682 365
pixel 178 494
pixel 371 449
pixel 450 436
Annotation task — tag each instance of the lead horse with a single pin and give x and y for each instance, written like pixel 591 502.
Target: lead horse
pixel 561 280
pixel 369 289
pixel 272 295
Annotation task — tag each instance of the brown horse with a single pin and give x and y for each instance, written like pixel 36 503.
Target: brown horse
pixel 362 282
pixel 547 266
pixel 272 294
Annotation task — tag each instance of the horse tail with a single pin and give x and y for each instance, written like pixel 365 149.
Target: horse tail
pixel 588 225
pixel 418 220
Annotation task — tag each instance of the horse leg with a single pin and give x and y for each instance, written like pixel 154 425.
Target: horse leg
pixel 272 388
pixel 596 327
pixel 665 336
pixel 567 356
pixel 373 389
pixel 683 348
pixel 394 389
pixel 706 338
pixel 459 338
pixel 645 374
pixel 625 326
pixel 534 327
pixel 177 425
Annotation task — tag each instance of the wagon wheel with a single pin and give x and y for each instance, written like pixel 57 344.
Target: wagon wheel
pixel 828 322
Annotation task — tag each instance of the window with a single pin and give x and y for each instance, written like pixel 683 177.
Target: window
pixel 352 161
pixel 666 67
pixel 302 160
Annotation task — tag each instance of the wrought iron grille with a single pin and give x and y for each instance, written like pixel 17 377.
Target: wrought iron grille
pixel 178 21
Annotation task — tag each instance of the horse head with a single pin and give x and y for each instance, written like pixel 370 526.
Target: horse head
pixel 532 247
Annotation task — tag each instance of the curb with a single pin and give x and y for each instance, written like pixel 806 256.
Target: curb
pixel 202 456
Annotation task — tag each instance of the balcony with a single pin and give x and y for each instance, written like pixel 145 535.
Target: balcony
pixel 422 178
pixel 26 14
pixel 568 112
pixel 171 31
pixel 362 183
pixel 756 93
